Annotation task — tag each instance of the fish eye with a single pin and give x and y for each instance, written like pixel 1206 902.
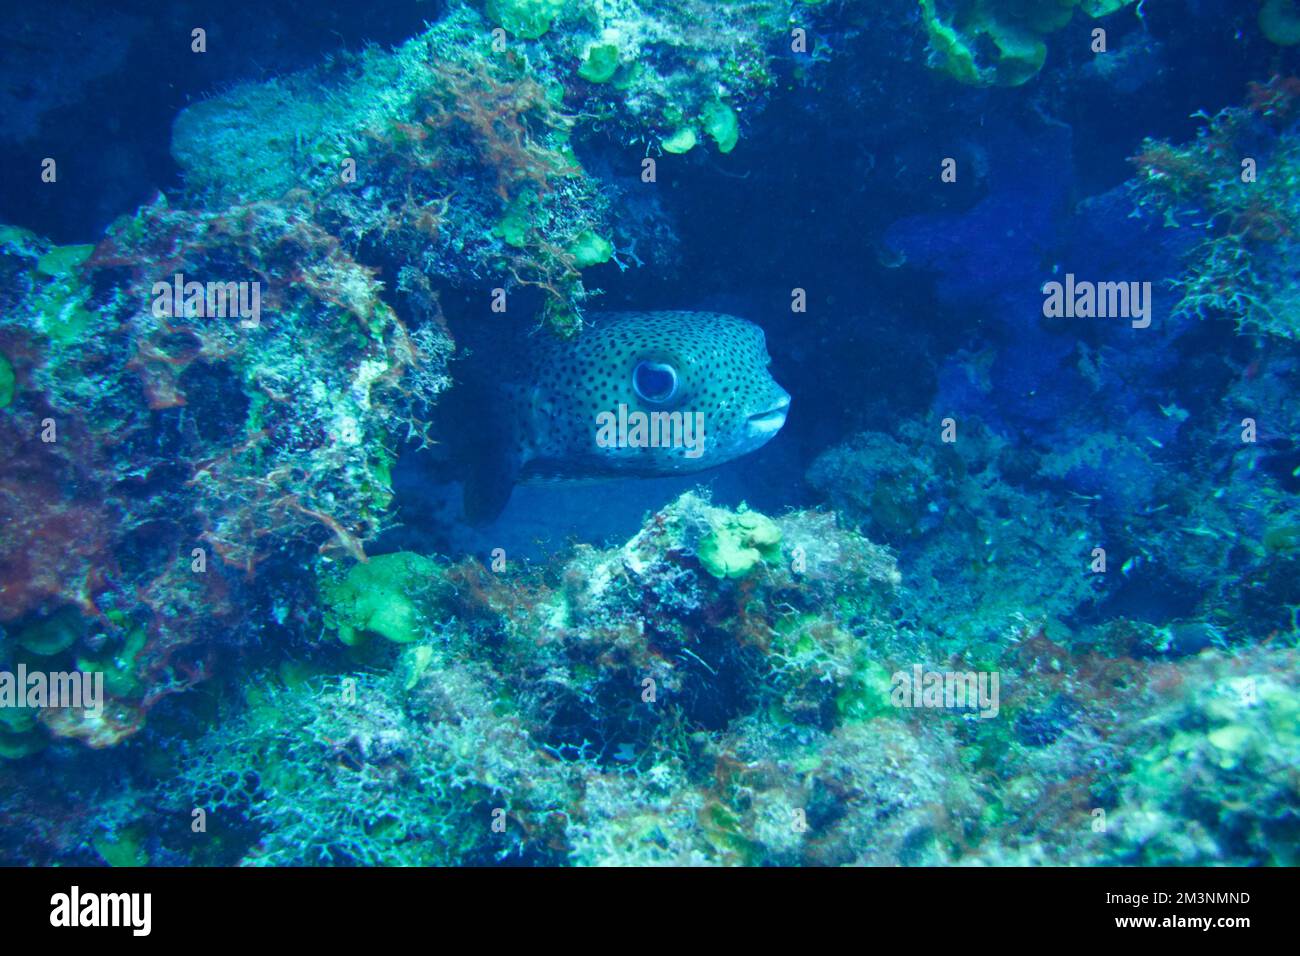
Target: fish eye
pixel 654 382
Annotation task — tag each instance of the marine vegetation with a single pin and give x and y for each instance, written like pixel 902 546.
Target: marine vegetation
pixel 634 432
pixel 1239 184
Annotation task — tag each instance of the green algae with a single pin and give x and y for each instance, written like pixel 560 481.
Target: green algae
pixel 122 849
pixel 63 260
pixel 516 226
pixel 57 302
pixel 379 597
pixel 17 720
pixel 54 634
pixel 61 305
pixel 120 668
pixel 20 735
pixel 1000 42
pixel 866 695
pixel 528 19
pixel 1282 538
pixel 600 63
pixel 17 746
pixel 1279 21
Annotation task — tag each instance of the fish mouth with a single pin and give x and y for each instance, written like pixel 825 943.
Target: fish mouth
pixel 770 420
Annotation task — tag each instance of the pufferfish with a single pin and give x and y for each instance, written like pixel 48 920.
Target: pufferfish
pixel 634 394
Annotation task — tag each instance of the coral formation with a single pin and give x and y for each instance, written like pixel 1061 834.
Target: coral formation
pixel 420 124
pixel 1014 592
pixel 1000 42
pixel 224 436
pixel 630 708
pixel 226 367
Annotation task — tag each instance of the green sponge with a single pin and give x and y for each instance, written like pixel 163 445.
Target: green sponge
pixel 681 141
pixel 600 63
pixel 1001 42
pixel 1279 20
pixel 721 123
pixel 517 223
pixel 524 18
pixel 53 635
pixel 377 598
pixel 738 543
pixel 590 249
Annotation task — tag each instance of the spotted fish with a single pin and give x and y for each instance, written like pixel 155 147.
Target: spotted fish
pixel 636 394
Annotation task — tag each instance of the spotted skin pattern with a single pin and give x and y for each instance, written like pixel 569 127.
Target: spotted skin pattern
pixel 720 363
pixel 538 414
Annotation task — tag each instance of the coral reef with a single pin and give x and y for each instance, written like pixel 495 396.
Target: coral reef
pixel 1000 42
pixel 419 127
pixel 225 375
pixel 966 525
pixel 398 768
pixel 544 694
pixel 1014 591
pixel 626 707
pixel 154 431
